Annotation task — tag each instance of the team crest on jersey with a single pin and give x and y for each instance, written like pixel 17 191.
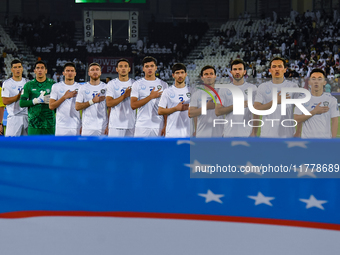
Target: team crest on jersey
pixel 13 87
pixel 326 103
pixel 87 92
pixel 306 104
pixel 76 90
pixel 229 92
pixel 61 91
pixel 48 91
pixel 159 86
pixel 246 92
pixel 188 94
pixel 102 91
pixel 116 87
pixel 143 87
pixel 172 95
pixel 268 91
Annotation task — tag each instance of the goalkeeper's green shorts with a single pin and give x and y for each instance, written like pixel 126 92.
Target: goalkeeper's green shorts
pixel 41 131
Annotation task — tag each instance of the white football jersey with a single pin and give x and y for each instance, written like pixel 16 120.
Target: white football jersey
pixel 67 116
pixel 205 123
pixel 122 116
pixel 11 88
pixel 237 130
pixel 178 123
pixel 272 123
pixel 147 115
pixel 94 116
pixel 319 126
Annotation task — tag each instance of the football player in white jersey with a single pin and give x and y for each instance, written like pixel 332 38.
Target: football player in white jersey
pixel 91 99
pixel 272 123
pixel 204 124
pixel 17 120
pixel 323 121
pixel 145 96
pixel 63 98
pixel 122 117
pixel 237 125
pixel 175 103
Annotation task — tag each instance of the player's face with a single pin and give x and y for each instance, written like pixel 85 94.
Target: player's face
pixel 123 68
pixel 179 76
pixel 40 71
pixel 95 72
pixel 69 73
pixel 277 69
pixel 17 69
pixel 209 76
pixel 149 68
pixel 317 81
pixel 238 71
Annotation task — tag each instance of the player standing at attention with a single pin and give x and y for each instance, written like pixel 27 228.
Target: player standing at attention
pixel 122 117
pixel 237 130
pixel 17 119
pixel 205 123
pixel 91 99
pixel 36 96
pixel 63 98
pixel 175 103
pixel 323 107
pixel 145 96
pixel 264 99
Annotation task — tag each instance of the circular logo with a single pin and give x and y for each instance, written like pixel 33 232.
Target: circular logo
pixel 229 92
pixel 102 91
pixel 188 94
pixel 143 87
pixel 268 91
pixel 48 91
pixel 87 92
pixel 116 87
pixel 13 86
pixel 61 91
pixel 159 86
pixel 172 95
pixel 306 104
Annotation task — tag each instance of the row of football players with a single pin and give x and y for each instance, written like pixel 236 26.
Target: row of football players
pixel 162 110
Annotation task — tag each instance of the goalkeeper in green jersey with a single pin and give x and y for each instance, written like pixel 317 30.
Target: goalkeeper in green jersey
pixel 36 96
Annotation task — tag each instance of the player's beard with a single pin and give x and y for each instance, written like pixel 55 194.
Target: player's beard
pixel 95 78
pixel 238 78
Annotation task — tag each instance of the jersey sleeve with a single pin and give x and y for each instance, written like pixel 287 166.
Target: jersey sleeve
pixel 5 90
pixel 254 92
pixel 134 91
pixel 164 99
pixel 224 97
pixel 54 93
pixel 334 110
pixel 193 99
pixel 109 89
pixel 80 96
pixel 260 95
pixel 25 95
pixel 1 103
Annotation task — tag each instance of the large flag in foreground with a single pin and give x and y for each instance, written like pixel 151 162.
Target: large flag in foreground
pixel 147 196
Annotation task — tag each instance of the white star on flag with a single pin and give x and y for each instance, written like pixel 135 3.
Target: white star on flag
pixel 261 199
pixel 313 202
pixel 196 164
pixel 244 143
pixel 179 142
pixel 297 144
pixel 210 196
pixel 306 171
pixel 252 169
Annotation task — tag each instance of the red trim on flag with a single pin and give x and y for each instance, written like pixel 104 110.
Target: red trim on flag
pixel 177 216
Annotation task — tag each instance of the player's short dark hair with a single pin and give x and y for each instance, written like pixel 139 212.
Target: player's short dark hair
pixel 318 70
pixel 237 62
pixel 178 66
pixel 15 61
pixel 278 58
pixel 40 62
pixel 207 67
pixel 95 64
pixel 69 64
pixel 122 60
pixel 148 59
